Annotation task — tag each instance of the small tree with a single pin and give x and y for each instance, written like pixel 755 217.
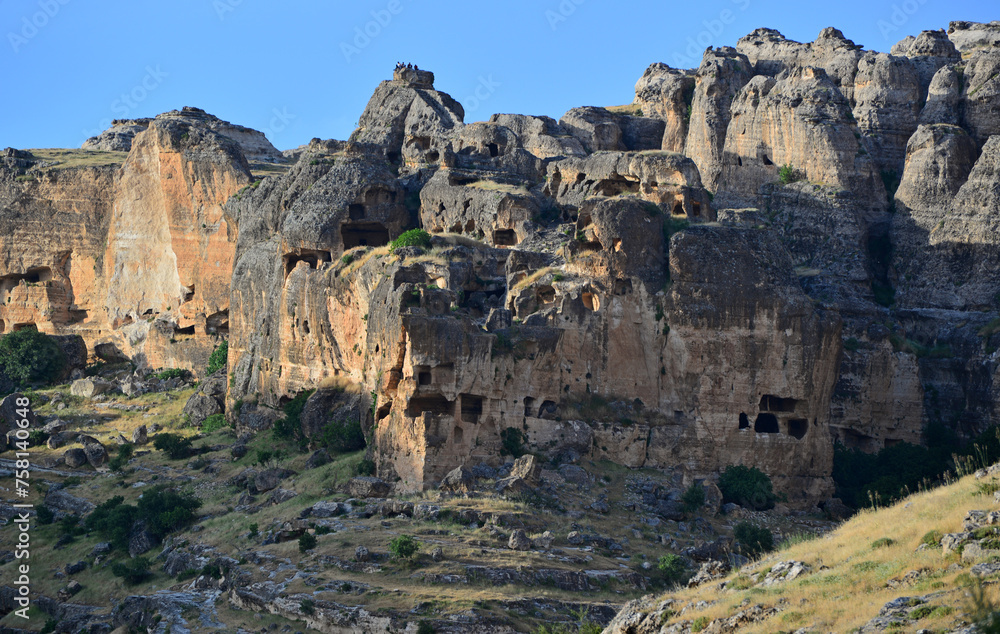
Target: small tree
pixel 672 568
pixel 133 571
pixel 307 542
pixel 219 358
pixel 747 486
pixel 693 498
pixel 403 547
pixel 175 446
pixel 754 540
pixel 28 356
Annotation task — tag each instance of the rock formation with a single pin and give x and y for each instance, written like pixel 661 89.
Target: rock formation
pixel 793 245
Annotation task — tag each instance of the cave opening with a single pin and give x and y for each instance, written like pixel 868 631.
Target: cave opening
pixel 771 403
pixel 356 211
pixel 797 427
pixel 766 160
pixel 472 407
pixel 312 257
pixel 505 238
pixel 364 234
pixel 529 403
pixel 218 323
pixel 766 424
pixel 744 421
pixel 493 149
pixel 434 404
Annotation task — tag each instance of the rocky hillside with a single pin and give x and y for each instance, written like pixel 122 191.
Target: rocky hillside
pixel 789 247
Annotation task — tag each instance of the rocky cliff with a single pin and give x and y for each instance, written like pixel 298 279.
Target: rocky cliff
pixel 791 245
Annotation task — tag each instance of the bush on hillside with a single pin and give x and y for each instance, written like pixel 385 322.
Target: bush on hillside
pixel 161 510
pixel 754 540
pixel 411 238
pixel 29 356
pixel 219 358
pixel 175 446
pixel 747 486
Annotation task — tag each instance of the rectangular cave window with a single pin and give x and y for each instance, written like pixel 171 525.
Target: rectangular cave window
pixel 696 211
pixel 472 408
pixel 424 375
pixel 797 427
pixel 529 404
pixel 218 323
pixel 769 403
pixel 356 211
pixel 187 330
pixel 312 257
pixel 364 234
pixel 504 238
pixel 766 424
pixel 435 404
pixel 744 421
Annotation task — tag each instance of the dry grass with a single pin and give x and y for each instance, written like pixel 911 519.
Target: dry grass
pixel 73 158
pixel 499 187
pixel 848 582
pixel 630 108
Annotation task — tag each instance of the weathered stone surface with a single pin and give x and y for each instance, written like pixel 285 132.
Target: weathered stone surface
pixel 458 480
pixel 519 540
pixel 140 435
pixel 11 413
pixel 368 487
pixel 89 388
pixel 527 468
pixel 666 93
pixel 75 457
pixel 543 137
pixel 598 129
pixel 270 478
pixel 97 455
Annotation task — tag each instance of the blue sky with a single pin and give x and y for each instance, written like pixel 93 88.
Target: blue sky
pixel 303 69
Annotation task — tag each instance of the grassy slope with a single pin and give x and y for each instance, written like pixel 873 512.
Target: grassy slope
pixel 848 582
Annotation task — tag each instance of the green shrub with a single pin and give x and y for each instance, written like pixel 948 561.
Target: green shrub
pixel 212 570
pixel 290 427
pixel 37 437
pixel 29 356
pixel 403 547
pixel 411 238
pixel 219 358
pixel 49 627
pixel 307 542
pixel 133 571
pixel 171 373
pixel 347 259
pixel 213 423
pixel 747 486
pixel 512 442
pixel 44 515
pixel 851 344
pixel 883 542
pixel 162 510
pixel 423 627
pixel 342 436
pixel 175 446
pixel 932 538
pixel 699 624
pixel 788 174
pixel 120 461
pixel 754 540
pixel 308 606
pixel 693 498
pixel 253 531
pixel 366 467
pixel 671 568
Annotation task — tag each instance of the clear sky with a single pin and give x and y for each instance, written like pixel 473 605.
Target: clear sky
pixel 304 68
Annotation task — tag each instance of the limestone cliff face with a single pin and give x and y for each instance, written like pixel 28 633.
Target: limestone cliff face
pixel 794 245
pixel 135 255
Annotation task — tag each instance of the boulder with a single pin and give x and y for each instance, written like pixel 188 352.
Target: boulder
pixel 361 554
pixel 100 549
pixel 178 561
pixel 89 388
pixel 836 510
pixel 75 457
pixel 458 480
pixel 329 405
pixel 58 499
pixel 513 486
pixel 527 468
pixel 328 509
pixel 318 458
pixel 270 478
pixel 55 441
pixel 368 487
pixel 574 474
pixel 141 541
pixel 97 455
pixel 140 435
pixel 519 540
pixel 72 569
pixel 10 413
pixel 544 541
pixel 437 555
pixel 201 406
